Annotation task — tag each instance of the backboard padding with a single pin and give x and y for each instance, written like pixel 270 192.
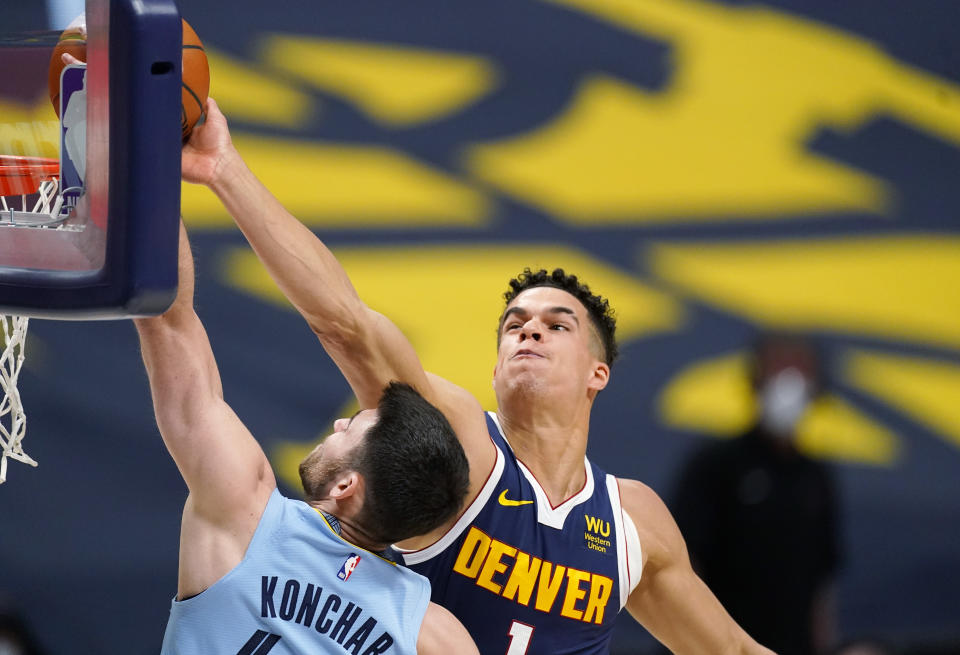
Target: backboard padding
pixel 119 258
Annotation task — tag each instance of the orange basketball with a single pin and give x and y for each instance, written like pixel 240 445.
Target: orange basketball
pixel 196 72
pixel 196 81
pixel 73 41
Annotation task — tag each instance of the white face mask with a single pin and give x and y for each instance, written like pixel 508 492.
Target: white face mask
pixel 783 399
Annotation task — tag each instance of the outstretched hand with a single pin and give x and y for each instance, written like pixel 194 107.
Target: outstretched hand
pixel 206 150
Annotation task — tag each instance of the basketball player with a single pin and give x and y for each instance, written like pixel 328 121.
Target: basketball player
pixel 550 548
pixel 260 573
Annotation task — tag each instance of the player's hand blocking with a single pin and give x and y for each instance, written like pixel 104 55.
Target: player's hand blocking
pixel 205 151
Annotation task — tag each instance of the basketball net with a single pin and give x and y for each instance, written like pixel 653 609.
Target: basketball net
pixel 13 420
pixel 23 177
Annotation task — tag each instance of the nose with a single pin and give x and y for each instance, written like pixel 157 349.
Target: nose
pixel 531 330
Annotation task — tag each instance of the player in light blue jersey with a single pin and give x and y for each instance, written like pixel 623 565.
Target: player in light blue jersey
pixel 550 548
pixel 261 573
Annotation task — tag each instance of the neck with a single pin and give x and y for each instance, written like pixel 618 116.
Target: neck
pixel 350 530
pixel 551 441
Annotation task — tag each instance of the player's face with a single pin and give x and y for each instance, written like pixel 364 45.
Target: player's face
pixel 347 435
pixel 547 342
pixel 331 454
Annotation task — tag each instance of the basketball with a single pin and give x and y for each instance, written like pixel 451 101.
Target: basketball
pixel 73 41
pixel 196 71
pixel 196 81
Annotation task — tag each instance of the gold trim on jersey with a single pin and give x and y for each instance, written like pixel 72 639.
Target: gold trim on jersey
pixel 350 543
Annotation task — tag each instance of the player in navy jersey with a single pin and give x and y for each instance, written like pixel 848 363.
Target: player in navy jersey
pixel 260 573
pixel 550 548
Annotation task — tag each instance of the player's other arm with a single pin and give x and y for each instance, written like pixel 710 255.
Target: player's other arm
pixel 226 471
pixel 670 600
pixel 442 634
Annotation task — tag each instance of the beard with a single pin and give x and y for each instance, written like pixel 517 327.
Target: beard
pixel 317 472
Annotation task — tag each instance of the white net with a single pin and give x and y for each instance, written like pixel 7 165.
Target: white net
pixel 39 207
pixel 13 420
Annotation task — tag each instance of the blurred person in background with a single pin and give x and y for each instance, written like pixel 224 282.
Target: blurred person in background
pixel 15 637
pixel 760 517
pixel 863 647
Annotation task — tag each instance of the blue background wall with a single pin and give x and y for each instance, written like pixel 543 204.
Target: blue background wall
pixel 713 167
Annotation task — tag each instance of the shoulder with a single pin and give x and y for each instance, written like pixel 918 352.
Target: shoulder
pixel 656 529
pixel 641 502
pixel 468 420
pixel 461 408
pixel 447 393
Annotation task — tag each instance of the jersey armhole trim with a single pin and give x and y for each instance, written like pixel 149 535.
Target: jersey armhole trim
pixel 629 554
pixel 424 602
pixel 339 537
pixel 634 552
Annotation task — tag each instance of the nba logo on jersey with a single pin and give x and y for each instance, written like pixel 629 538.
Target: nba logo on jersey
pixel 348 566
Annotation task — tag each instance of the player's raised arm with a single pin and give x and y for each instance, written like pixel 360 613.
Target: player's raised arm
pixel 222 464
pixel 670 600
pixel 367 347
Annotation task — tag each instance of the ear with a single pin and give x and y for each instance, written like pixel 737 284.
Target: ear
pixel 346 485
pixel 599 376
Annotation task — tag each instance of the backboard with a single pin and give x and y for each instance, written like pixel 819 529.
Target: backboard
pixel 108 249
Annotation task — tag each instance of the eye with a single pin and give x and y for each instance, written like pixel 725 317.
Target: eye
pixel 558 326
pixel 511 326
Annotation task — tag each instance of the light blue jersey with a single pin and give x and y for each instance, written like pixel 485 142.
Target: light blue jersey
pixel 302 589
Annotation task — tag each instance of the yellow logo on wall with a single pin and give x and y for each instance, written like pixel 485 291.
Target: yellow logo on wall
pixel 725 143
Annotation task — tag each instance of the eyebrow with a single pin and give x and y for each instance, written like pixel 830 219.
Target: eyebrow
pixel 565 310
pixel 559 309
pixel 357 413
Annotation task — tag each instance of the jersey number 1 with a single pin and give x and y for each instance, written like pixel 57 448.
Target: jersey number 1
pixel 520 634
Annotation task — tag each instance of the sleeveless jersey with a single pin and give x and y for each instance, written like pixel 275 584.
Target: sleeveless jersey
pixel 526 578
pixel 301 588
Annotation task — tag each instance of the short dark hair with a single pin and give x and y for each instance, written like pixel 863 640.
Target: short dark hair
pixel 415 470
pixel 598 308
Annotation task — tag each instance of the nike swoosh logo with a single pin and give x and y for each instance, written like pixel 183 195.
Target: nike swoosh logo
pixel 506 502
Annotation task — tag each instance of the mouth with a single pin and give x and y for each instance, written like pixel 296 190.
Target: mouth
pixel 524 354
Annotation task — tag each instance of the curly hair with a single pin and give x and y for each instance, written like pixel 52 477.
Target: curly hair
pixel 598 308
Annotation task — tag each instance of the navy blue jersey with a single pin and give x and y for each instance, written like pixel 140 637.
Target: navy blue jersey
pixel 526 578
